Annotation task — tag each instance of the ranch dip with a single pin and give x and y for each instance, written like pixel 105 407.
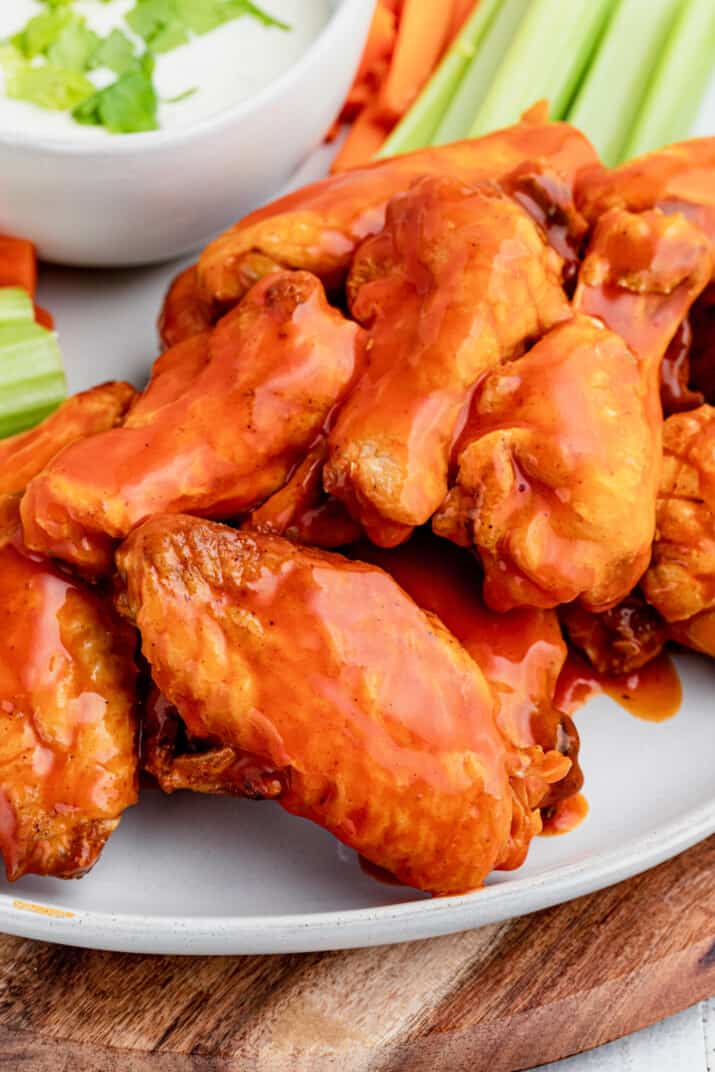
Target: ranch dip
pixel 192 81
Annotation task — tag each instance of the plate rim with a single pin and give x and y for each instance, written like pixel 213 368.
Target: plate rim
pixel 359 927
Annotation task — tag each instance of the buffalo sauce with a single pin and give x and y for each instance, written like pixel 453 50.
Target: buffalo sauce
pixel 653 693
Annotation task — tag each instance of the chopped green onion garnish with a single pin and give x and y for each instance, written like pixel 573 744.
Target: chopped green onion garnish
pixel 612 92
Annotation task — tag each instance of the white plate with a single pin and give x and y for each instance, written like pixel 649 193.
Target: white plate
pixel 191 874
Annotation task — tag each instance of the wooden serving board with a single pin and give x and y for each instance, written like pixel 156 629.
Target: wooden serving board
pixel 505 997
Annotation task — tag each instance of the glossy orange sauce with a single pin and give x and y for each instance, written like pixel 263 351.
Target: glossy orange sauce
pixel 653 693
pixel 565 816
pixel 520 653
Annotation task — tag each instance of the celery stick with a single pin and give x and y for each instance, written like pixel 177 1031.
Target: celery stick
pixel 29 401
pixel 15 304
pixel 612 93
pixel 473 87
pixel 546 59
pixel 679 83
pixel 32 381
pixel 423 118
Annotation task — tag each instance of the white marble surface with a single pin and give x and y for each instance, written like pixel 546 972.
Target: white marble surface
pixel 683 1043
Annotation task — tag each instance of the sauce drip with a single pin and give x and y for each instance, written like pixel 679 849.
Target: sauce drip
pixel 653 693
pixel 565 816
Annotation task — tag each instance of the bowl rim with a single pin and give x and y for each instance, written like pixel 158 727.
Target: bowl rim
pixel 156 140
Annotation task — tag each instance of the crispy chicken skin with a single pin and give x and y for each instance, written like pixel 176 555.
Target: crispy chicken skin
pixel 521 654
pixel 678 178
pixel 23 456
pixel 680 582
pixel 68 758
pixel 379 723
pixel 320 226
pixel 303 511
pixel 204 765
pixel 557 483
pixel 227 416
pixel 454 285
pixel 184 312
pixel 619 640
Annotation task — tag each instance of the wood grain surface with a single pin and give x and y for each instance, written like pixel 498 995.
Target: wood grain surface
pixel 502 998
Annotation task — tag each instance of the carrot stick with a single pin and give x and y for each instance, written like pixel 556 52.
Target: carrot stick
pixel 18 264
pixel 380 40
pixel 462 10
pixel 421 37
pixel 365 137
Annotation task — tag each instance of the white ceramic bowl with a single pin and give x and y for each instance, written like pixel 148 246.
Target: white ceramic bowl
pixel 138 198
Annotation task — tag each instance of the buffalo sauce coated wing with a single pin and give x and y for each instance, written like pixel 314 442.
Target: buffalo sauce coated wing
pixel 454 285
pixel 68 762
pixel 619 640
pixel 184 313
pixel 23 456
pixel 677 179
pixel 680 582
pixel 320 226
pixel 377 722
pixel 641 275
pixel 521 654
pixel 557 481
pixel 227 416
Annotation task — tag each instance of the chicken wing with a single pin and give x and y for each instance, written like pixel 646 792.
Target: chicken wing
pixel 620 640
pixel 23 456
pixel 640 276
pixel 303 511
pixel 68 761
pixel 557 482
pixel 380 724
pixel 521 654
pixel 677 179
pixel 680 582
pixel 184 312
pixel 320 226
pixel 456 283
pixel 224 421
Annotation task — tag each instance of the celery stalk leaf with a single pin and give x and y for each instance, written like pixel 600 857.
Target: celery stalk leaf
pixel 116 52
pixel 47 86
pixel 127 106
pixel 41 32
pixel 74 48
